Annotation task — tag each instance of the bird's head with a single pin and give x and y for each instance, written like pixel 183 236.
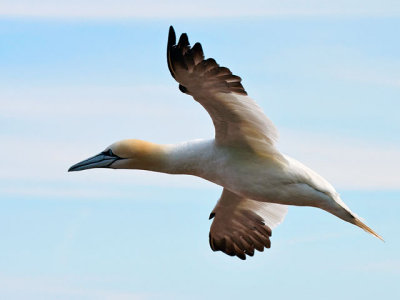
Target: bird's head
pixel 125 154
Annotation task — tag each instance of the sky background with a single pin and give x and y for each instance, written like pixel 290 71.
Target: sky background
pixel 75 76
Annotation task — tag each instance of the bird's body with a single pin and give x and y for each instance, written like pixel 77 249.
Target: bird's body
pixel 259 181
pixel 281 179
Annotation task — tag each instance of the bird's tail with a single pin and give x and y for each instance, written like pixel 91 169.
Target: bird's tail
pixel 346 214
pixel 360 224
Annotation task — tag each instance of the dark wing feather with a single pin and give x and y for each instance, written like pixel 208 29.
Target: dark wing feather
pixel 237 118
pixel 198 72
pixel 241 226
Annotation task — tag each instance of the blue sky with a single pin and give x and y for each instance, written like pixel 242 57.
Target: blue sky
pixel 74 78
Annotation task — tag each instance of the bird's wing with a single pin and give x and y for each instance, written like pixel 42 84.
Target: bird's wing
pixel 237 118
pixel 241 225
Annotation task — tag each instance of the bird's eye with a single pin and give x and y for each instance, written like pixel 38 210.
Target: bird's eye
pixel 108 152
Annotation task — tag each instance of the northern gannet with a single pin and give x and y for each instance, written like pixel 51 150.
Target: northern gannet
pixel 258 181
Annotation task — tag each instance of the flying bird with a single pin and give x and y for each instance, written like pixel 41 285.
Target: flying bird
pixel 258 181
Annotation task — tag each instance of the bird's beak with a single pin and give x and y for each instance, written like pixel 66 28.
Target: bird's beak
pixel 102 160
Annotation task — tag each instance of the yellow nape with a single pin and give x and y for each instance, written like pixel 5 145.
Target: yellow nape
pixel 132 148
pixel 138 154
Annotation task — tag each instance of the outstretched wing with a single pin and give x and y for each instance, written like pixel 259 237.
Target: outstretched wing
pixel 241 225
pixel 237 118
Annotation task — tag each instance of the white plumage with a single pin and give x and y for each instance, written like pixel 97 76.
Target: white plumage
pixel 258 181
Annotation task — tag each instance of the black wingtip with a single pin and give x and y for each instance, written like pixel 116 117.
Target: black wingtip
pixel 183 89
pixel 197 48
pixel 241 256
pixel 171 37
pixel 170 45
pixel 183 40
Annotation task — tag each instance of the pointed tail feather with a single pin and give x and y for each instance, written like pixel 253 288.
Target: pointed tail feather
pixel 366 228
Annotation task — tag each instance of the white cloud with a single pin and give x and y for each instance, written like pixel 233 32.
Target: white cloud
pixel 43 165
pixel 190 9
pixel 355 66
pixel 337 62
pixel 62 126
pixel 346 162
pixel 64 111
pixel 55 101
pixel 58 288
pixel 369 77
pixel 381 266
pixel 56 134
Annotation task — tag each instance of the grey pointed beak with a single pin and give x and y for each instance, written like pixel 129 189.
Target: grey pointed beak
pixel 103 160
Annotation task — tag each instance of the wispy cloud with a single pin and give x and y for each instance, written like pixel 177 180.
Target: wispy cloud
pixel 369 77
pixel 339 62
pixel 382 266
pixel 58 288
pixel 77 126
pixel 356 67
pixel 61 111
pixel 190 9
pixel 346 162
pixel 39 168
